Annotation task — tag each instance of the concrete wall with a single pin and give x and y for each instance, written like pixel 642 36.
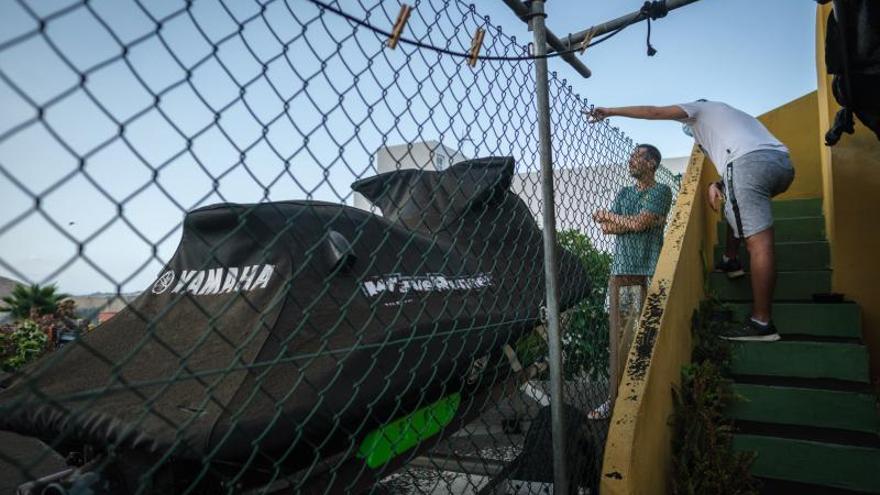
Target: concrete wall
pixel 638 453
pixel 796 124
pixel 578 193
pixel 851 187
pixel 422 155
pixel 676 164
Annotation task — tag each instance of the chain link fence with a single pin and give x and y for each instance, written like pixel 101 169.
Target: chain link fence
pixel 319 259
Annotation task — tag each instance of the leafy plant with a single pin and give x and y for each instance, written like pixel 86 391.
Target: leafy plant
pixel 585 342
pixel 24 301
pixel 530 348
pixel 27 339
pixel 20 343
pixel 703 457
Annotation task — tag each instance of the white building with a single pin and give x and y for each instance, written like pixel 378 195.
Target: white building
pixel 676 164
pixel 422 155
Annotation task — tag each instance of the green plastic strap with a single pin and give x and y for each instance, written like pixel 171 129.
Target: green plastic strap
pixel 389 441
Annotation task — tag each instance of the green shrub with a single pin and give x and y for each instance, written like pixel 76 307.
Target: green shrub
pixel 20 343
pixel 530 348
pixel 27 339
pixel 585 340
pixel 703 456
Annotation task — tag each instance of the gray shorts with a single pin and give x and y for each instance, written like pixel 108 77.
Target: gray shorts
pixel 757 177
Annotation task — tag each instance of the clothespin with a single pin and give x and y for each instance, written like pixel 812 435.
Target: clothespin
pixel 402 17
pixel 476 44
pixel 512 359
pixel 587 39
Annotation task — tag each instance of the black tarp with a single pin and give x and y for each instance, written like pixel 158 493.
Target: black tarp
pixel 852 55
pixel 294 328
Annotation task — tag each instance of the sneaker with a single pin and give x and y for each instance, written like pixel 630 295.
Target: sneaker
pixel 751 331
pixel 732 267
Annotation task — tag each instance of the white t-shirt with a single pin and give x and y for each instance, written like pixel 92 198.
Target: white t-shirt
pixel 726 133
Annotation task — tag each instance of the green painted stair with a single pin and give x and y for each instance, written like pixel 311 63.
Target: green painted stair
pixel 806 406
pixel 826 360
pixel 790 285
pixel 804 318
pixel 795 229
pixel 813 255
pixel 809 207
pixel 849 467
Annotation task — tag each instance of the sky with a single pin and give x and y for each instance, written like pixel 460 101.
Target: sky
pixel 102 151
pixel 752 54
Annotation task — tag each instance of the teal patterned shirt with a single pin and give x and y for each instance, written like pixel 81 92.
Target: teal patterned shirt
pixel 636 253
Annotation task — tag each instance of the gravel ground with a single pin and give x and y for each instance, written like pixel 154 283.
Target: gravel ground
pixel 412 481
pixel 486 439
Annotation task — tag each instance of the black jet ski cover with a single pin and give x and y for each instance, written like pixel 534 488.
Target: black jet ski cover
pixel 852 55
pixel 297 327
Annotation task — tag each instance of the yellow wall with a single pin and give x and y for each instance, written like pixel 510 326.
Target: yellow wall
pixel 709 235
pixel 827 108
pixel 638 453
pixel 852 206
pixel 796 124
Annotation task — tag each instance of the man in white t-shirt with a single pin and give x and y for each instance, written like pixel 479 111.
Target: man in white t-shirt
pixel 755 167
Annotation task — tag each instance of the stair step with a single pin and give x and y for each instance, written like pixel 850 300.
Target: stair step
pixel 805 407
pixel 824 320
pixel 790 256
pixel 797 208
pixel 790 286
pixel 831 360
pixel 795 229
pixel 770 486
pixel 834 465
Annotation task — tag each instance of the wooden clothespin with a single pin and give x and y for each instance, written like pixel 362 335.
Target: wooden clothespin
pixel 512 359
pixel 587 39
pixel 399 25
pixel 476 45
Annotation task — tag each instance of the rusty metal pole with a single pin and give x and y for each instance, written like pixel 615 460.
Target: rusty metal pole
pixel 551 272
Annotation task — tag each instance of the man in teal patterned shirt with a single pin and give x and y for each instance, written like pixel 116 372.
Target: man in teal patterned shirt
pixel 637 218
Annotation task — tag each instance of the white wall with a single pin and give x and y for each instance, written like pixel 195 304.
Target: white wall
pixel 676 164
pixel 579 192
pixel 423 155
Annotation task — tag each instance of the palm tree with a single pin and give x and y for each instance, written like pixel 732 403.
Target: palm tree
pixel 25 299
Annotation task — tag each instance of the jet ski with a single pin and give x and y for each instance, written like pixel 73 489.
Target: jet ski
pixel 297 339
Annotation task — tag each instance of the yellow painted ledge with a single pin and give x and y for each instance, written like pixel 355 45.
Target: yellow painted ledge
pixel 638 455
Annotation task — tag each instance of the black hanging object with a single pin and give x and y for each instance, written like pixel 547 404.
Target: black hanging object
pixel 651 50
pixel 653 11
pixel 843 122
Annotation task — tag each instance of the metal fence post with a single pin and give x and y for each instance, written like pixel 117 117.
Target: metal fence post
pixel 560 471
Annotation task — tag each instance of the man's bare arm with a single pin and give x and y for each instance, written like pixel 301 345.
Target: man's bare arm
pixel 609 228
pixel 621 224
pixel 671 112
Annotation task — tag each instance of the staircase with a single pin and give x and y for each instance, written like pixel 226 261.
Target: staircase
pixel 808 408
